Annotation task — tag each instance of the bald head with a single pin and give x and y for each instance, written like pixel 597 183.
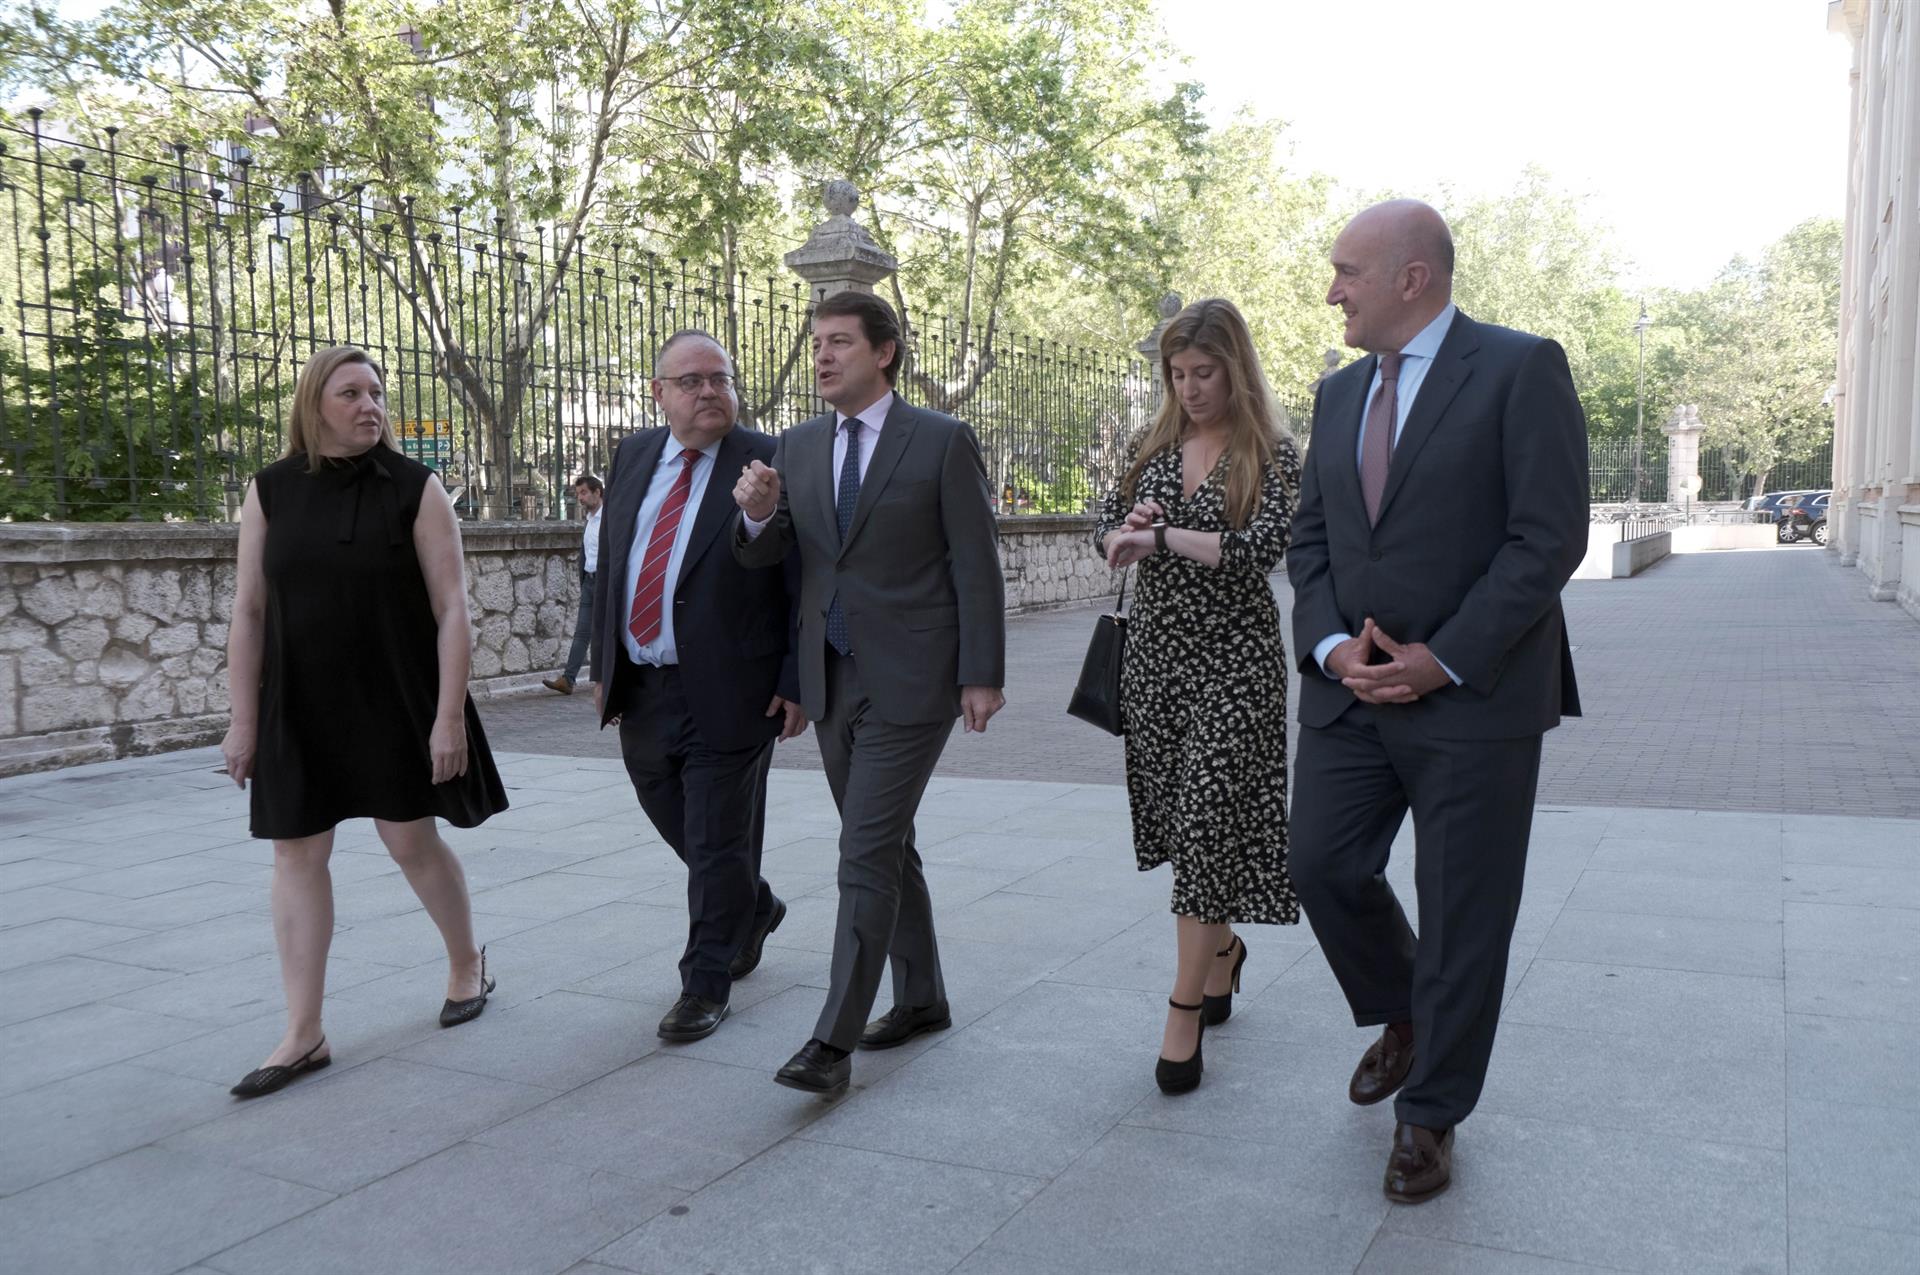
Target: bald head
pixel 1392 273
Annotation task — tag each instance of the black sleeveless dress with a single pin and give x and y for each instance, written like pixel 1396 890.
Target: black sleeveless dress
pixel 350 675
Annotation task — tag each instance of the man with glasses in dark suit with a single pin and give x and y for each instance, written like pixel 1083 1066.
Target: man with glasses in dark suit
pixel 693 656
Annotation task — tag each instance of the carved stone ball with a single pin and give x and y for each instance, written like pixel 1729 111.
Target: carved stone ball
pixel 1170 305
pixel 842 197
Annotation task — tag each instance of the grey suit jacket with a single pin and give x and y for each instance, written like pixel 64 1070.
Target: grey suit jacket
pixel 1483 521
pixel 918 575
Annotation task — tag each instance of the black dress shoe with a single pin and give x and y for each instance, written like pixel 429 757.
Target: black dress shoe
pixel 692 1018
pixel 1420 1165
pixel 817 1068
pixel 454 1012
pixel 264 1080
pixel 1382 1070
pixel 747 959
pixel 902 1023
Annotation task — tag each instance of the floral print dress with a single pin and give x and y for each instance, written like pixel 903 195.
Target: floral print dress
pixel 1204 699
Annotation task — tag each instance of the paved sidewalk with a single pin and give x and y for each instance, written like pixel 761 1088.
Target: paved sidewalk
pixel 1706 1062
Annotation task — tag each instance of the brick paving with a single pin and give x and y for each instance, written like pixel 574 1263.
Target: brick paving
pixel 1757 680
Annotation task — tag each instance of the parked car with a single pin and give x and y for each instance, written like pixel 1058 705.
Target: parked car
pixel 1804 517
pixel 1768 508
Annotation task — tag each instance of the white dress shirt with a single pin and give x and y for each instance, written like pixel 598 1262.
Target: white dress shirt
pixel 590 542
pixel 666 472
pixel 1415 358
pixel 874 418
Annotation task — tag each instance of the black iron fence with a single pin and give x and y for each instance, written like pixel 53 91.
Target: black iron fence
pixel 157 309
pixel 1723 475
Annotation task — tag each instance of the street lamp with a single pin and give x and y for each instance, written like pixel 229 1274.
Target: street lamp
pixel 1640 397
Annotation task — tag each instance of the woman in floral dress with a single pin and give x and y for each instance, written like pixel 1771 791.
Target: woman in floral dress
pixel 1205 508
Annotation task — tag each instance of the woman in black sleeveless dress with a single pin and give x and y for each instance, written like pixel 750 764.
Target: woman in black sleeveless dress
pixel 348 657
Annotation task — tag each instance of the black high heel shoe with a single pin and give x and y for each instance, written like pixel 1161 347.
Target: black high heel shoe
pixel 454 1012
pixel 1218 1009
pixel 1182 1077
pixel 264 1080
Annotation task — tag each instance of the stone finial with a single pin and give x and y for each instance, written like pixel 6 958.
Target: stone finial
pixel 1170 305
pixel 840 254
pixel 841 198
pixel 1329 363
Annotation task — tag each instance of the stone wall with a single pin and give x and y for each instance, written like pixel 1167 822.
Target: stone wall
pixel 1048 562
pixel 113 637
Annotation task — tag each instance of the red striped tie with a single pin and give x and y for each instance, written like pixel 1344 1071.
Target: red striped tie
pixel 651 587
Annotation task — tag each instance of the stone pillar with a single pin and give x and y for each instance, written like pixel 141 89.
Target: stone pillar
pixel 1170 305
pixel 1683 453
pixel 840 254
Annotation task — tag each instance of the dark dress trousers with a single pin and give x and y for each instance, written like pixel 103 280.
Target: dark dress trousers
pixel 918 577
pixel 1482 522
pixel 695 735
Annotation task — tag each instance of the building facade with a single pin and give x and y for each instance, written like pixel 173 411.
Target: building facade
pixel 1874 519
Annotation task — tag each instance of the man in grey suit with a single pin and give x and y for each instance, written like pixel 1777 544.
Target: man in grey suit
pixel 902 629
pixel 1443 506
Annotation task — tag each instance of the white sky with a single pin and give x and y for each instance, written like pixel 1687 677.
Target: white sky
pixel 1699 129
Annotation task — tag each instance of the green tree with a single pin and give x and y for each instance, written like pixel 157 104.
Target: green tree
pixel 112 430
pixel 1758 351
pixel 1048 121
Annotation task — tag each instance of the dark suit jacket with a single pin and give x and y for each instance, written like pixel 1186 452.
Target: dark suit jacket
pixel 733 627
pixel 1483 521
pixel 919 574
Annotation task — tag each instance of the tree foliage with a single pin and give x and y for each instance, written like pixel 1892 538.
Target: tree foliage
pixel 1758 347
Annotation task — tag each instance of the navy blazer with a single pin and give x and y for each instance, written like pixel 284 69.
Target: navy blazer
pixel 734 628
pixel 1483 522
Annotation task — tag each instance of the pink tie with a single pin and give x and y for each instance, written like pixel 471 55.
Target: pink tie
pixel 1376 449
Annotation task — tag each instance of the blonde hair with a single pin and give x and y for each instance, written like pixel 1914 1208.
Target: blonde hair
pixel 1216 328
pixel 303 420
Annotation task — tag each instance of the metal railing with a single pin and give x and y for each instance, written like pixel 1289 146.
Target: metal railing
pixel 157 310
pixel 1611 463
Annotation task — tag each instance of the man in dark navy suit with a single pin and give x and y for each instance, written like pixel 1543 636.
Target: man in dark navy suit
pixel 1443 506
pixel 694 658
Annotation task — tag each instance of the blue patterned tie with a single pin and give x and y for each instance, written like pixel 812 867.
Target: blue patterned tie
pixel 843 507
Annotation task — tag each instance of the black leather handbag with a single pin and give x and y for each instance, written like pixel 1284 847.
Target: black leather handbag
pixel 1096 697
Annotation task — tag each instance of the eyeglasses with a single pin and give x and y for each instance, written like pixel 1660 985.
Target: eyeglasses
pixel 692 381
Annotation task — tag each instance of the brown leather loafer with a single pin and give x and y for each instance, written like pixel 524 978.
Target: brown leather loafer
pixel 563 684
pixel 1382 1070
pixel 1420 1165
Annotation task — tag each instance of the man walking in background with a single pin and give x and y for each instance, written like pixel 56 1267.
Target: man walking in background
pixel 1443 506
pixel 587 491
pixel 902 629
pixel 693 654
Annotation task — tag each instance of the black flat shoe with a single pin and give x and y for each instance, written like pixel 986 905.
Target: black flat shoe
pixel 1182 1077
pixel 1215 1010
pixel 817 1068
pixel 903 1022
pixel 747 959
pixel 692 1018
pixel 264 1080
pixel 454 1012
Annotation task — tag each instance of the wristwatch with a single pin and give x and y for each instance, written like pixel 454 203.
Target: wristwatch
pixel 1160 536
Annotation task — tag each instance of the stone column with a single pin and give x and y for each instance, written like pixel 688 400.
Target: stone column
pixel 1170 305
pixel 840 254
pixel 1683 453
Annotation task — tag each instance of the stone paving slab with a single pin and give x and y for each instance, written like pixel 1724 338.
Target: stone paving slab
pixel 1706 1063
